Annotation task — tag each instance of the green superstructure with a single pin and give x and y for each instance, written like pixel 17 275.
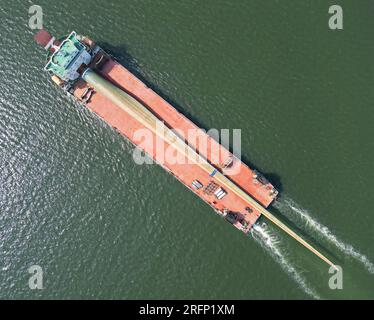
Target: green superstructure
pixel 68 57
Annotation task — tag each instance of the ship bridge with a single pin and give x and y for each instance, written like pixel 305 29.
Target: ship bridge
pixel 68 58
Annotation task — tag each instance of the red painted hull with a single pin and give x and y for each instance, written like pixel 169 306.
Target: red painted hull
pixel 186 173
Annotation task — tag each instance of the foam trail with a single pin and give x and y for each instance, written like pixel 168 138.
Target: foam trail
pixel 294 211
pixel 271 244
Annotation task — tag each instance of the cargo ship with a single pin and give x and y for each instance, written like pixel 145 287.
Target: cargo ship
pixel 85 71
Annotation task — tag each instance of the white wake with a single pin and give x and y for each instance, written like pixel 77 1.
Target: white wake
pixel 270 243
pixel 297 214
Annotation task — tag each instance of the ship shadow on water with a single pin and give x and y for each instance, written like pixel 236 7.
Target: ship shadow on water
pixel 120 53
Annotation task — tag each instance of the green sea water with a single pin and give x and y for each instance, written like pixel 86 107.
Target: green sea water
pixel 73 201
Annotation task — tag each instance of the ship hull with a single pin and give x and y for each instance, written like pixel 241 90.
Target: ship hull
pixel 164 154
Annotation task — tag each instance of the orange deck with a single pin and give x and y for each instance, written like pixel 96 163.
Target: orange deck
pixel 186 173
